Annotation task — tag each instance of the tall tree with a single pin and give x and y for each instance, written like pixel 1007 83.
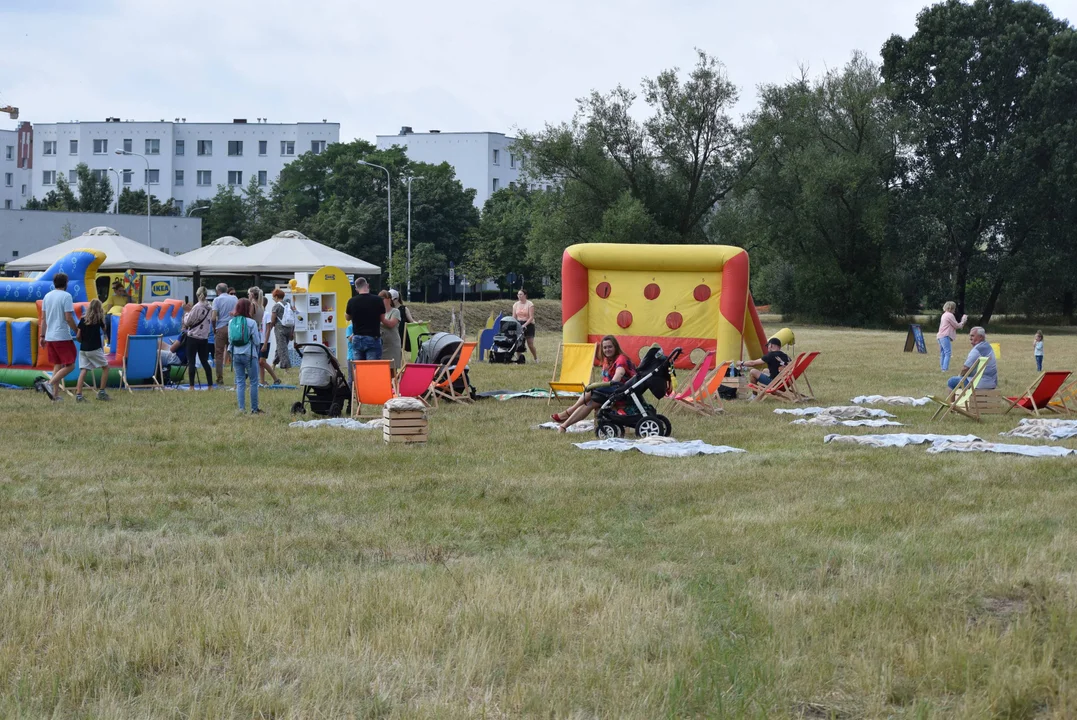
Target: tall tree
pixel 133 202
pixel 95 194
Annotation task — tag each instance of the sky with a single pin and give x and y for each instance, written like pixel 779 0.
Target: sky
pixel 470 65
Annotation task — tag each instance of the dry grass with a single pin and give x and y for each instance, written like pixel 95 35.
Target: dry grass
pixel 162 557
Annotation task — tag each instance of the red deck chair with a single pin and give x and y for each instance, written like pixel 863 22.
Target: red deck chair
pixel 699 381
pixel 799 378
pixel 415 380
pixel 1044 394
pixel 781 387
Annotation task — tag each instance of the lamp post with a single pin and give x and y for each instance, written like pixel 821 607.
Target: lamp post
pixel 114 170
pixel 200 208
pixel 149 231
pixel 389 205
pixel 408 264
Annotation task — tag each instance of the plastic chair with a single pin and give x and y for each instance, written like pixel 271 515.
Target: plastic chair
pixel 453 371
pixel 412 331
pixel 577 362
pixel 372 384
pixel 1043 394
pixel 415 380
pixel 141 360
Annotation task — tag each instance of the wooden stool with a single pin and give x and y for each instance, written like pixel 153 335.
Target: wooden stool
pixel 405 421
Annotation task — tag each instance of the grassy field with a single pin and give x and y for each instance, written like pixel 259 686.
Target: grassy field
pixel 162 557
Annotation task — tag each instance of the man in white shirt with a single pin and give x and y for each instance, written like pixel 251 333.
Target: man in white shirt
pixel 57 334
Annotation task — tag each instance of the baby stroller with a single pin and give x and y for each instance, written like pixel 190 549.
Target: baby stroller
pixel 325 386
pixel 508 344
pixel 437 349
pixel 626 407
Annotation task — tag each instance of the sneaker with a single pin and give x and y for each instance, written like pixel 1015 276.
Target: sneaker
pixel 102 395
pixel 258 412
pixel 79 398
pixel 42 385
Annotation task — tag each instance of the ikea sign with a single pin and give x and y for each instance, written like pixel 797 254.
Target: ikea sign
pixel 161 288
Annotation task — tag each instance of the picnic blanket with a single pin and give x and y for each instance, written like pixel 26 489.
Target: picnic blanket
pixel 830 420
pixel 660 446
pixel 346 423
pixel 898 439
pixel 580 427
pixel 513 394
pixel 841 412
pixel 1041 429
pixel 890 400
pixel 1026 450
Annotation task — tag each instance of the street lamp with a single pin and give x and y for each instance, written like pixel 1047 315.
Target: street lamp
pixel 149 231
pixel 114 170
pixel 389 204
pixel 408 264
pixel 193 210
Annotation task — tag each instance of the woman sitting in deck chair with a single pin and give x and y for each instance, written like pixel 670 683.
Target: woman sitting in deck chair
pixel 616 369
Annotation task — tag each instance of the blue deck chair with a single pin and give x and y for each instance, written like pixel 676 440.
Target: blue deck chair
pixel 142 361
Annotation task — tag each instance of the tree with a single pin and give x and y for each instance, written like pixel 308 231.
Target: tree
pixel 965 80
pixel 498 246
pixel 62 198
pixel 133 202
pixel 226 215
pixel 95 194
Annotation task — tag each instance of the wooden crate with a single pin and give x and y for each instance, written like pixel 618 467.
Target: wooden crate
pixel 404 426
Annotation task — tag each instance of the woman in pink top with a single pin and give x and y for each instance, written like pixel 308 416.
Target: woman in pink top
pixel 948 328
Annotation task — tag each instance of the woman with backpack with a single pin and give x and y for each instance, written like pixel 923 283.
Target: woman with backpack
pixel 197 325
pixel 244 339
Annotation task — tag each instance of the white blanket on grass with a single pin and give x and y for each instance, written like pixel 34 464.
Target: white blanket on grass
pixel 1043 429
pixel 660 446
pixel 890 400
pixel 841 412
pixel 580 427
pixel 830 420
pixel 1026 450
pixel 898 439
pixel 346 423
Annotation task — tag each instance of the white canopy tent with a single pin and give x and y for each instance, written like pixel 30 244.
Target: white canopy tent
pixel 121 253
pixel 216 252
pixel 284 254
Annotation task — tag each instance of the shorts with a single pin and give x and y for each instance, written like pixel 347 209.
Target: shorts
pixel 92 359
pixel 599 396
pixel 61 352
pixel 263 352
pixel 764 379
pixel 529 331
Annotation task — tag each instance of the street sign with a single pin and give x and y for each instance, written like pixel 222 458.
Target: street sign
pixel 511 277
pixel 452 274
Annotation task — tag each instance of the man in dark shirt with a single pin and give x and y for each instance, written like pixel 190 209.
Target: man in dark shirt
pixel 774 361
pixel 367 314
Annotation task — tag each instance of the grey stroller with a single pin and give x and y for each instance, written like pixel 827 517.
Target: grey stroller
pixel 325 387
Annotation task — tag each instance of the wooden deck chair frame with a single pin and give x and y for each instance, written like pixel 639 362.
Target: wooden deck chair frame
pixel 572 385
pixel 800 377
pixel 428 397
pixel 452 371
pixel 1067 393
pixel 696 388
pixel 125 381
pixel 961 398
pixel 1056 403
pixel 707 400
pixel 781 387
pixel 377 399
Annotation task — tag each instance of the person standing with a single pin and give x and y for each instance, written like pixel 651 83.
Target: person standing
pixel 261 314
pixel 524 312
pixel 198 324
pixel 390 336
pixel 223 307
pixel 244 338
pixel 367 315
pixel 282 324
pixel 91 334
pixel 948 327
pixel 1037 350
pixel 405 317
pixel 57 330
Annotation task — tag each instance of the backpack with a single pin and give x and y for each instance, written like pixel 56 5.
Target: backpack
pixel 239 333
pixel 288 316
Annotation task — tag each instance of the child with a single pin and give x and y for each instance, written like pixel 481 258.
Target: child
pixel 1037 350
pixel 91 334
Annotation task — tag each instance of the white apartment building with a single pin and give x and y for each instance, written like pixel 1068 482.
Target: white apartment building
pixel 186 161
pixel 15 177
pixel 484 161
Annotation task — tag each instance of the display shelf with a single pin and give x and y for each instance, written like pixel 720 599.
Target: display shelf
pixel 315 318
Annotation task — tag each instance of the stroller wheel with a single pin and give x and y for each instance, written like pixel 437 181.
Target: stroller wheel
pixel 334 410
pixel 298 409
pixel 521 360
pixel 649 426
pixel 667 426
pixel 606 430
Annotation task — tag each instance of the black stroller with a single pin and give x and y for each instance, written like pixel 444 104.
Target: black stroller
pixel 438 349
pixel 626 408
pixel 325 386
pixel 509 343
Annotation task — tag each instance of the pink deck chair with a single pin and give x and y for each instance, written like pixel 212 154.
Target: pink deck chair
pixel 415 380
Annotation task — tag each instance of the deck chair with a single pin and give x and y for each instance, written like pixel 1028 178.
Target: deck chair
pixel 414 381
pixel 694 388
pixel 967 399
pixel 708 401
pixel 799 376
pixel 577 361
pixel 1067 394
pixel 141 361
pixel 453 371
pixel 412 331
pixel 1044 394
pixel 781 387
pixel 372 384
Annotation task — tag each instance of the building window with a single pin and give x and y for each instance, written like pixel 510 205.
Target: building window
pixel 48 177
pixel 179 147
pixel 178 204
pixel 152 177
pixel 99 175
pixel 263 147
pixel 48 147
pixel 153 147
pixel 287 147
pixel 72 177
pixel 9 152
pixel 263 178
pixel 235 177
pixel 204 177
pixel 235 148
pixel 24 189
pixel 317 146
pixel 14 253
pixel 179 178
pixel 100 147
pixel 512 160
pixel 205 147
pixel 73 147
pixel 7 206
pixel 127 175
pixel 497 157
pixel 9 179
pixel 128 145
pixel 496 185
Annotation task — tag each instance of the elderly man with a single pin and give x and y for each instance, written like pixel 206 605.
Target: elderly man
pixel 980 348
pixel 220 314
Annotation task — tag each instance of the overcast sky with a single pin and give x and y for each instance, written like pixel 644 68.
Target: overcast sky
pixel 374 66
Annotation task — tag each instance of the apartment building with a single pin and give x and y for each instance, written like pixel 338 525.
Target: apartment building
pixel 15 173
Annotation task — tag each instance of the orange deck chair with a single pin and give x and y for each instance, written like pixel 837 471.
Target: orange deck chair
pixel 1044 394
pixel 372 384
pixel 452 371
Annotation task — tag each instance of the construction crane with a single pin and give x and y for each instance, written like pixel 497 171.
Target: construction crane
pixel 13 112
